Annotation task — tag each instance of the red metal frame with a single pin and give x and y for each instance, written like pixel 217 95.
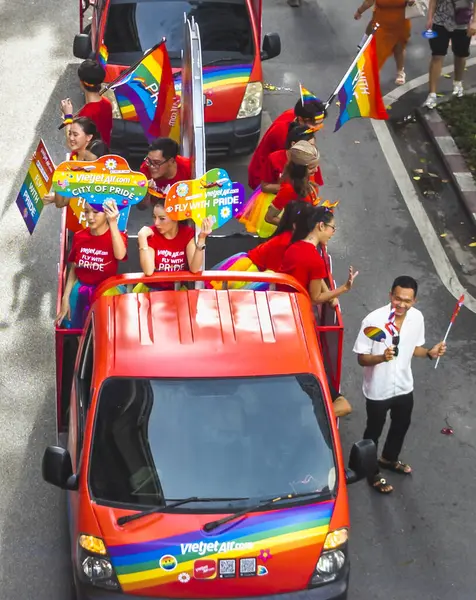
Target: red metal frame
pixel 61 332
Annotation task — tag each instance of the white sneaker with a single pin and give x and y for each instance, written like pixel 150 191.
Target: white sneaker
pixel 458 90
pixel 430 102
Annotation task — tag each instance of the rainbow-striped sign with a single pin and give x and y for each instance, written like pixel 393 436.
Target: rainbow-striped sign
pixel 108 178
pixel 37 183
pixel 213 195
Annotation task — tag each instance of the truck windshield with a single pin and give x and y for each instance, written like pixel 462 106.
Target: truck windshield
pixel 252 438
pixel 132 28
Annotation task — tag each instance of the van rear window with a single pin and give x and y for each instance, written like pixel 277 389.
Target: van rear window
pixel 132 28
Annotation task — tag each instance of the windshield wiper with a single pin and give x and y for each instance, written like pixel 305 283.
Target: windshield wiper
pixel 263 504
pixel 225 59
pixel 166 507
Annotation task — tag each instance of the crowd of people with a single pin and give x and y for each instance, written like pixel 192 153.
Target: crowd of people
pixel 285 170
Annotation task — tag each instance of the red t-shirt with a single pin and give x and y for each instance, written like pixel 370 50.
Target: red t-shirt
pixel 269 255
pixel 171 255
pixel 287 194
pixel 184 172
pixel 274 166
pixel 304 262
pixel 93 256
pixel 101 114
pixel 274 139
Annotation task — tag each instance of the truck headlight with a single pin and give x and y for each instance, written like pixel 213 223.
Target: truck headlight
pixel 94 565
pixel 252 102
pixel 111 96
pixel 332 559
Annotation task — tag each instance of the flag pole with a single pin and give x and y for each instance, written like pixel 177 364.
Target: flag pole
pixel 122 74
pixel 458 306
pixel 349 70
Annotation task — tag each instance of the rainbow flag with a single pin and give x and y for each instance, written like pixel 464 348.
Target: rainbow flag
pixel 306 95
pixel 360 94
pixel 147 94
pixel 103 55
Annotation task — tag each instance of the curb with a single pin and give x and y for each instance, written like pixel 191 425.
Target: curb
pixel 452 158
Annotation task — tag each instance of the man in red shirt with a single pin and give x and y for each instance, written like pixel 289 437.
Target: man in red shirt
pixel 97 107
pixel 274 165
pixel 163 166
pixel 311 113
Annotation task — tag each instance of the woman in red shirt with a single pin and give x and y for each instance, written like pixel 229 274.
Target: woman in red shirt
pixel 296 182
pixel 169 246
pixel 266 256
pixel 303 260
pixel 85 144
pixel 95 255
pixel 273 167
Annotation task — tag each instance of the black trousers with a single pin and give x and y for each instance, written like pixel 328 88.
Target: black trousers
pixel 400 408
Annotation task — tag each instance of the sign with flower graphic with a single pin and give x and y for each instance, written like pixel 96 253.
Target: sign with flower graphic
pixel 108 178
pixel 213 195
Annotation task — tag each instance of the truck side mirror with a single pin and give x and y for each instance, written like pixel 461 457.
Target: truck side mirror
pixel 82 47
pixel 271 46
pixel 362 461
pixel 57 468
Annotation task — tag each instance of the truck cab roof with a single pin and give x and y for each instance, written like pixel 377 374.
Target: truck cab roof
pixel 205 333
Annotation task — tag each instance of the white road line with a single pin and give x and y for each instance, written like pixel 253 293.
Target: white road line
pixel 432 242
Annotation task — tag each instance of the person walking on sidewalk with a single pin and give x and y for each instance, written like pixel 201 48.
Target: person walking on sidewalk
pixel 388 379
pixel 455 21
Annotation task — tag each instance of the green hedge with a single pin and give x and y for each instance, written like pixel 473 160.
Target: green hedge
pixel 460 116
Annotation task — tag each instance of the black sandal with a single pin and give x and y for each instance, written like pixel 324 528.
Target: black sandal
pixel 381 486
pixel 396 467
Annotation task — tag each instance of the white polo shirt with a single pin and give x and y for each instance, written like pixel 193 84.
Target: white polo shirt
pixel 392 378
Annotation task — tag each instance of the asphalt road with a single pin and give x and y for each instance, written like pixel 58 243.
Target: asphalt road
pixel 418 542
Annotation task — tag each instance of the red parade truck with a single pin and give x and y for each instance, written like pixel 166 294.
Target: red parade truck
pixel 193 469
pixel 230 33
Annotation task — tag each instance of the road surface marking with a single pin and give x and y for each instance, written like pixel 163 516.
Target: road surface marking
pixel 440 260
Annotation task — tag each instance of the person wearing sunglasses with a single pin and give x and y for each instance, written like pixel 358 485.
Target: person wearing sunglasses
pixel 303 261
pixel 388 378
pixel 163 166
pixel 311 114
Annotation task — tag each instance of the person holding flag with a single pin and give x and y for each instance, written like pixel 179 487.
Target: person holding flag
pixel 388 379
pixel 308 110
pixel 97 108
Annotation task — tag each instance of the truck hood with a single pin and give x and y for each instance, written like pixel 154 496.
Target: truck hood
pixel 169 555
pixel 224 87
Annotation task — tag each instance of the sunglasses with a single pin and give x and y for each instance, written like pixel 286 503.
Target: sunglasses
pixel 395 342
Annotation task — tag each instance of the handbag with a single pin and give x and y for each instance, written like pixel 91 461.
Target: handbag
pixel 418 9
pixel 463 14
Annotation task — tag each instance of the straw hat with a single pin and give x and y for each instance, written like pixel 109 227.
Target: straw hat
pixel 304 153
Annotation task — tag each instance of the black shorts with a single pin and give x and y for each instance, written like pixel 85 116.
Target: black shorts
pixel 460 42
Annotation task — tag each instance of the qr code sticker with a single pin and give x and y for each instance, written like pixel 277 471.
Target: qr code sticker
pixel 227 568
pixel 247 567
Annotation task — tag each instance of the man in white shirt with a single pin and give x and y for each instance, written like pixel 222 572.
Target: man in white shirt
pixel 388 379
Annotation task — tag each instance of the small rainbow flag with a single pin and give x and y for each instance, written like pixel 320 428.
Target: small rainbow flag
pixel 306 95
pixel 360 94
pixel 147 94
pixel 103 55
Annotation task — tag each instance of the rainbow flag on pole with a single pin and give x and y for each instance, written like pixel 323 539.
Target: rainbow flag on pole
pixel 306 95
pixel 360 94
pixel 103 55
pixel 147 94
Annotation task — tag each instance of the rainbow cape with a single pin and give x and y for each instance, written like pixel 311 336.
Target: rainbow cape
pixel 147 94
pixel 360 95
